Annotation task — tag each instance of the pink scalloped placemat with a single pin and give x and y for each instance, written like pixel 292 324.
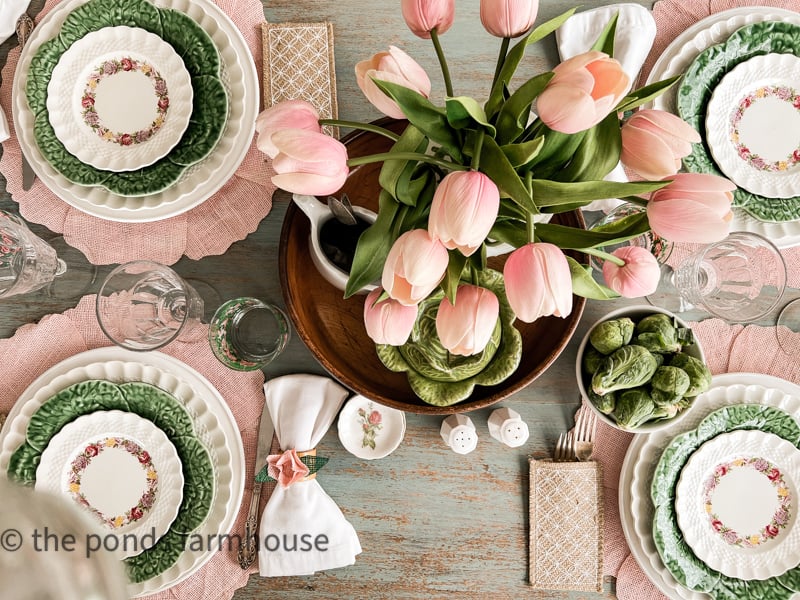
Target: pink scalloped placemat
pixel 209 229
pixel 34 348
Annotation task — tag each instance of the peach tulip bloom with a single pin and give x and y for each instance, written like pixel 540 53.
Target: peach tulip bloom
pixel 286 468
pixel 415 265
pixel 388 321
pixel 289 114
pixel 695 207
pixel 422 16
pixel 394 66
pixel 654 142
pixel 463 210
pixel 583 91
pixel 637 277
pixel 309 162
pixel 508 18
pixel 464 328
pixel 538 282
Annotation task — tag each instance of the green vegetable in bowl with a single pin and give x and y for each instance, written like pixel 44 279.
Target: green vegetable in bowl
pixel 698 372
pixel 628 367
pixel 672 381
pixel 658 333
pixel 611 335
pixel 634 407
pixel 605 403
pixel 592 359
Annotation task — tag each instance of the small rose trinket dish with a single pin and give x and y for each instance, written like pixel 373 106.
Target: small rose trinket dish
pixel 370 430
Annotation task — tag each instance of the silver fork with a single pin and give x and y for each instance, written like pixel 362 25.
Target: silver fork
pixel 582 442
pixel 563 451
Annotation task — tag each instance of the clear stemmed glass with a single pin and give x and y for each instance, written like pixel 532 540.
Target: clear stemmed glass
pixel 28 263
pixel 739 279
pixel 144 305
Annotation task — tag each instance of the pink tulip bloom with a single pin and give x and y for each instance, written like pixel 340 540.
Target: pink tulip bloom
pixel 654 142
pixel 290 114
pixel 286 468
pixel 388 321
pixel 394 66
pixel 463 210
pixel 583 91
pixel 695 207
pixel 538 282
pixel 415 265
pixel 637 277
pixel 464 328
pixel 508 18
pixel 309 162
pixel 422 16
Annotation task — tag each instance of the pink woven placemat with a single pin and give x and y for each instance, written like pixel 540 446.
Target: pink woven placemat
pixel 34 348
pixel 210 228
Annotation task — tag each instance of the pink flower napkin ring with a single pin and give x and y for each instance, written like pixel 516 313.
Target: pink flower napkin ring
pixel 291 467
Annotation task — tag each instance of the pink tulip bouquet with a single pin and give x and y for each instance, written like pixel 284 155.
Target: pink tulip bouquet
pixel 466 176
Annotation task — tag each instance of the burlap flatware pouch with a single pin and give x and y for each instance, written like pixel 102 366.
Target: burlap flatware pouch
pixel 566 525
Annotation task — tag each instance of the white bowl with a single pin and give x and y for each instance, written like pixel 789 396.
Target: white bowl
pixel 635 313
pixel 388 428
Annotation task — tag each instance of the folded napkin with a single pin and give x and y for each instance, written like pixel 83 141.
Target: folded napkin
pixel 299 513
pixel 566 526
pixel 636 30
pixel 10 10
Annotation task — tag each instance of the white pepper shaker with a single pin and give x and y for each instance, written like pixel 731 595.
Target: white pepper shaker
pixel 459 433
pixel 506 426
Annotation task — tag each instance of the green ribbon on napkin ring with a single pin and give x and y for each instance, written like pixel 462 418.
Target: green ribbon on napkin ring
pixel 291 466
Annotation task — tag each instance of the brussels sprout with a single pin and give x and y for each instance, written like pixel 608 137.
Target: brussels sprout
pixel 698 372
pixel 658 334
pixel 611 335
pixel 665 411
pixel 628 367
pixel 659 357
pixel 671 380
pixel 605 403
pixel 663 398
pixel 634 407
pixel 591 360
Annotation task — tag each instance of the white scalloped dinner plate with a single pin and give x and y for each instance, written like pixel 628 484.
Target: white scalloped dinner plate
pixel 199 181
pixel 736 504
pixel 215 427
pixel 106 97
pixel 644 452
pixel 753 125
pixel 116 476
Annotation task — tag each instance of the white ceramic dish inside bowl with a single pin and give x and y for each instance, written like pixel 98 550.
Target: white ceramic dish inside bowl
pixel 635 313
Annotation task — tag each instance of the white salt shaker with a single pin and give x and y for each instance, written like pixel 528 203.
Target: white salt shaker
pixel 506 426
pixel 459 433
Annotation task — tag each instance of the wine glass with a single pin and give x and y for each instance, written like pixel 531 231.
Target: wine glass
pixel 739 279
pixel 28 263
pixel 144 305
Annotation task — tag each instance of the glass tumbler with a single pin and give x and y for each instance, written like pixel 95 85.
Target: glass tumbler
pixel 144 305
pixel 740 279
pixel 27 262
pixel 247 334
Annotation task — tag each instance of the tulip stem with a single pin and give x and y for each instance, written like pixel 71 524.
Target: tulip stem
pixel 364 126
pixel 476 153
pixel 448 84
pixel 373 158
pixel 604 255
pixel 501 59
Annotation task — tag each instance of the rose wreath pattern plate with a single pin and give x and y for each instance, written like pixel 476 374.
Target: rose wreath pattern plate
pixel 129 98
pixel 121 468
pixel 736 503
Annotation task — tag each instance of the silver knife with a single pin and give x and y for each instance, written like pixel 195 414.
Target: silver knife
pixel 249 547
pixel 23 28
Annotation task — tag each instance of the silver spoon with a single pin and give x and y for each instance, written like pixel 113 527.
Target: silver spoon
pixel 342 209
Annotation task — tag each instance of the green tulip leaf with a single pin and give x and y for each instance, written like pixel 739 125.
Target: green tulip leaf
pixel 597 154
pixel 605 41
pixel 396 175
pixel 496 165
pixel 463 112
pixel 515 56
pixel 422 113
pixel 521 154
pixel 645 94
pixel 577 193
pixel 452 277
pixel 572 238
pixel 513 117
pixel 583 284
pixel 509 232
pixel 556 152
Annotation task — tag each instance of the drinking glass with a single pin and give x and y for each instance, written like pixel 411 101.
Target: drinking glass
pixel 739 279
pixel 144 305
pixel 246 333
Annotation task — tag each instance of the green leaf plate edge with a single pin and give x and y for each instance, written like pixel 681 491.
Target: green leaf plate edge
pixel 676 554
pixel 166 413
pixel 200 56
pixel 697 86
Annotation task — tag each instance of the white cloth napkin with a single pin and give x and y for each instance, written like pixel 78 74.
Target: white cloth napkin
pixel 636 30
pixel 10 10
pixel 303 408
